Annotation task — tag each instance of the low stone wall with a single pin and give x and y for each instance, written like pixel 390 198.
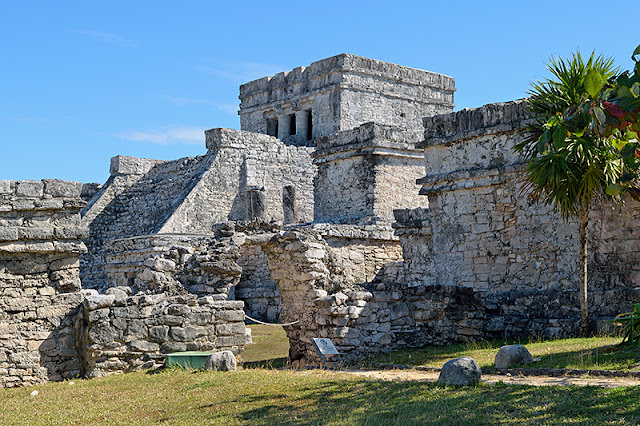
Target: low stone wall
pixel 40 241
pixel 176 264
pixel 118 334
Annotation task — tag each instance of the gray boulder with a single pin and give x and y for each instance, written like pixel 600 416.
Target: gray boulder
pixel 120 293
pixel 463 371
pixel 97 301
pixel 511 355
pixel 221 361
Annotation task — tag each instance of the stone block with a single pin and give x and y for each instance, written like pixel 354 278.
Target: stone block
pixel 512 355
pixel 9 234
pixel 29 188
pixel 144 346
pixel 188 333
pixel 6 187
pixel 221 361
pixel 97 301
pixel 123 165
pixel 37 233
pixel 104 333
pixel 62 188
pixel 159 333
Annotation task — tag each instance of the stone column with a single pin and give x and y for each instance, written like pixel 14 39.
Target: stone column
pixel 301 126
pixel 283 126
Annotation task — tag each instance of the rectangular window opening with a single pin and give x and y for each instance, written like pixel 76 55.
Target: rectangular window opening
pixel 272 127
pixel 309 126
pixel 292 124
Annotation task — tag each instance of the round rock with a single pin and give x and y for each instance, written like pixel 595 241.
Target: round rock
pixel 511 355
pixel 463 371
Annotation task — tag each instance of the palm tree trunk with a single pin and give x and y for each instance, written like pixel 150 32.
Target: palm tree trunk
pixel 584 234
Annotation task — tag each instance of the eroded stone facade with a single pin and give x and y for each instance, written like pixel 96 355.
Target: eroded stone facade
pixel 40 241
pixel 118 333
pixel 340 93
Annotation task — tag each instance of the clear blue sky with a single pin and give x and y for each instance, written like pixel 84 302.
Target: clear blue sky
pixel 81 82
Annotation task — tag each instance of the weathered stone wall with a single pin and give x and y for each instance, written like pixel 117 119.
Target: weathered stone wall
pixel 343 92
pixel 176 264
pixel 40 241
pixel 257 288
pixel 311 262
pixel 244 163
pixel 119 334
pixel 482 232
pixel 365 173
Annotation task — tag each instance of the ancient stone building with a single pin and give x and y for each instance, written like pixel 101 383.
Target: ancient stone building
pixel 353 202
pixel 340 93
pixel 328 164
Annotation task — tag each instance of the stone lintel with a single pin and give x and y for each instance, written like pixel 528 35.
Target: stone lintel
pixel 369 232
pixel 470 123
pixel 369 138
pixel 464 179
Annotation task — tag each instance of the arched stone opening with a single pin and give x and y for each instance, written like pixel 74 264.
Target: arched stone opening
pixel 334 283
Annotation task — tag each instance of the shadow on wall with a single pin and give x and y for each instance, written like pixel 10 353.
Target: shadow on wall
pixel 59 355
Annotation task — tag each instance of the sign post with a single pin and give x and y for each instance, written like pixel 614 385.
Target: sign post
pixel 325 348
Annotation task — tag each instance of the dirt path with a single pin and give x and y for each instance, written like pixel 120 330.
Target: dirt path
pixel 432 376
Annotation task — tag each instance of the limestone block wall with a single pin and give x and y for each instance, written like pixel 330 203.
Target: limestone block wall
pixel 244 163
pixel 311 263
pixel 176 264
pixel 257 288
pixel 40 241
pixel 343 92
pixel 482 232
pixel 365 173
pixel 119 334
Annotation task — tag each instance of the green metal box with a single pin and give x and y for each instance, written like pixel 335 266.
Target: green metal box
pixel 192 359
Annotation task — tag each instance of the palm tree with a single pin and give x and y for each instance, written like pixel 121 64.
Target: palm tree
pixel 565 168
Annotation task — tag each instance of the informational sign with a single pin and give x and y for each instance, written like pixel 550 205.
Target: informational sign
pixel 325 346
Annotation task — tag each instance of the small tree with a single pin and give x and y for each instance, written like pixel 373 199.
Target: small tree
pixel 566 167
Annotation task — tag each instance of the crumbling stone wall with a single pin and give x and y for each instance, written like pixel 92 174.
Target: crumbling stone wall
pixel 40 241
pixel 311 265
pixel 257 288
pixel 118 333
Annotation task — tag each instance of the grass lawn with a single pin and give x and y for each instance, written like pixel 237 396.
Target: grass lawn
pixel 270 347
pixel 591 353
pixel 273 397
pixel 263 396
